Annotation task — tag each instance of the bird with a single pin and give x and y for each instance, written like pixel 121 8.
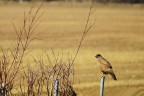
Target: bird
pixel 105 66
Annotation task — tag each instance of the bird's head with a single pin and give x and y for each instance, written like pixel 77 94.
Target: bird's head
pixel 98 55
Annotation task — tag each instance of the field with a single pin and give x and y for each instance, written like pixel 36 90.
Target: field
pixel 118 35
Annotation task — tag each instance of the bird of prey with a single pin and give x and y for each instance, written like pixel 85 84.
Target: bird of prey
pixel 105 66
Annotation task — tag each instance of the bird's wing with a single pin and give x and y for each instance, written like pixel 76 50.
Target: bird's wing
pixel 104 61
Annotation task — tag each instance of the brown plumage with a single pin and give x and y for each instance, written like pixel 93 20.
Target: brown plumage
pixel 105 66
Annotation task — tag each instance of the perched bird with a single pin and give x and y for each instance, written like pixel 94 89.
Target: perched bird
pixel 105 66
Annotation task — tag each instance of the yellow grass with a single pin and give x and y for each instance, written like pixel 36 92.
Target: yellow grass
pixel 117 35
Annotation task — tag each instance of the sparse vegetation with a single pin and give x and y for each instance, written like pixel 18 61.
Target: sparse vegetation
pixel 33 81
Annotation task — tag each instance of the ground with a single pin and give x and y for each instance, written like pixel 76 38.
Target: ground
pixel 117 35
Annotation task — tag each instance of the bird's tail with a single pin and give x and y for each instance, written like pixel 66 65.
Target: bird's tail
pixel 113 75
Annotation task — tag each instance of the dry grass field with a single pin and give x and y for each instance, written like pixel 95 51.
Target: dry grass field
pixel 118 34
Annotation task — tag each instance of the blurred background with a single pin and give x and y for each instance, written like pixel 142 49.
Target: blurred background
pixel 103 1
pixel 118 35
